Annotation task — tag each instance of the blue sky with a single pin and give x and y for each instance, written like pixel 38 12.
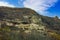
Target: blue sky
pixel 44 7
pixel 55 10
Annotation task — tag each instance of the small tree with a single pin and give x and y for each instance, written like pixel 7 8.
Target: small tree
pixel 56 17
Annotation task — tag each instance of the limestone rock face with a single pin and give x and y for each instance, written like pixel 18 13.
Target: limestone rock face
pixel 23 24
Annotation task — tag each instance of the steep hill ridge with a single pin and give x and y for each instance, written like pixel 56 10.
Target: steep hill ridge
pixel 26 24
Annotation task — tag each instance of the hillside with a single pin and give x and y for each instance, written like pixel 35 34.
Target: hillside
pixel 26 24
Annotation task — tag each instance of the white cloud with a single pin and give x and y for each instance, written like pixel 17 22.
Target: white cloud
pixel 39 5
pixel 6 4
